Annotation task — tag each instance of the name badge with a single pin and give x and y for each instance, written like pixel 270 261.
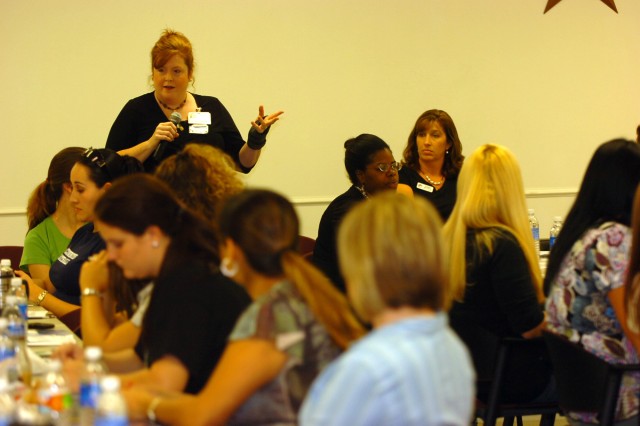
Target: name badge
pixel 199 129
pixel 424 187
pixel 199 117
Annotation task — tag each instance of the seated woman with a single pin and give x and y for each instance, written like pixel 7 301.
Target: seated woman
pixel 371 169
pixel 52 219
pixel 91 176
pixel 432 160
pixel 192 309
pixel 392 257
pixel 586 273
pixel 296 325
pixel 494 276
pixel 201 177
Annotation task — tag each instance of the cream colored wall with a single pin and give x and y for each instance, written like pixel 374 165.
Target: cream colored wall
pixel 551 87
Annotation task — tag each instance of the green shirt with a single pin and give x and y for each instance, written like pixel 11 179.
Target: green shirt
pixel 43 244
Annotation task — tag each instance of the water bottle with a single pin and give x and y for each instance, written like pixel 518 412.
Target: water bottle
pixel 54 396
pixel 8 365
pixel 112 408
pixel 7 403
pixel 535 230
pixel 90 389
pixel 17 331
pixel 17 289
pixel 6 273
pixel 555 230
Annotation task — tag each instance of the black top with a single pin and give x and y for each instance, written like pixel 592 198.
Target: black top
pixel 325 252
pixel 442 199
pixel 190 315
pixel 500 297
pixel 140 116
pixel 65 271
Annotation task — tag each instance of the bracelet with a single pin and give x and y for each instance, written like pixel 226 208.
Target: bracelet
pixel 257 141
pixel 41 297
pixel 91 292
pixel 151 411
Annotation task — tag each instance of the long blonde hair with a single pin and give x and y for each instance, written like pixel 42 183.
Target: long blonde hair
pixel 490 195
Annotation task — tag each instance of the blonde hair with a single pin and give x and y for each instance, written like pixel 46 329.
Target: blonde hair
pixel 202 177
pixel 490 195
pixel 391 254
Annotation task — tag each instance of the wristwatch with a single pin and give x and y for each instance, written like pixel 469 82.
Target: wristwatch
pixel 151 411
pixel 41 297
pixel 91 292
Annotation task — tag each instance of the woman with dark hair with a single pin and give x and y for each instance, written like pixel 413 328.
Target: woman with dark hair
pixel 432 160
pixel 52 219
pixel 371 169
pixel 91 177
pixel 297 324
pixel 201 177
pixel 632 293
pixel 586 274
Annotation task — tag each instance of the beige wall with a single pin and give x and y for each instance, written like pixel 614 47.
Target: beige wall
pixel 551 87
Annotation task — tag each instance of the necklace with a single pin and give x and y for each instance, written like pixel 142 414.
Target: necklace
pixel 362 191
pixel 431 181
pixel 168 107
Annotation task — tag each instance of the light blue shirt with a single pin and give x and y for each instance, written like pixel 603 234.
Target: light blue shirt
pixel 412 372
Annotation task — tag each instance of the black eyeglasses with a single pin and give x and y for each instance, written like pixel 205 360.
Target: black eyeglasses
pixel 96 158
pixel 384 167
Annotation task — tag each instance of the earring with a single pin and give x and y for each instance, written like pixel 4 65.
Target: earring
pixel 446 152
pixel 155 244
pixel 228 268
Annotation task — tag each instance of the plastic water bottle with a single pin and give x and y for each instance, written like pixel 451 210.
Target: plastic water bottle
pixel 17 331
pixel 54 396
pixel 535 230
pixel 7 403
pixel 8 364
pixel 112 408
pixel 90 389
pixel 17 289
pixel 555 230
pixel 6 273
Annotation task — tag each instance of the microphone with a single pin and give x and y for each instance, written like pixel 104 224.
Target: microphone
pixel 175 118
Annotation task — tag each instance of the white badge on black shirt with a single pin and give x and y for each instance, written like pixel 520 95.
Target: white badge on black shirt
pixel 424 187
pixel 199 122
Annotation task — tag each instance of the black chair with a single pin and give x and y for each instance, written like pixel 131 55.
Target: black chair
pixel 490 356
pixel 584 381
pixel 12 252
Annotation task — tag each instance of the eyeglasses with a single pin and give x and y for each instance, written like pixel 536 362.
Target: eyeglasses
pixel 384 167
pixel 96 158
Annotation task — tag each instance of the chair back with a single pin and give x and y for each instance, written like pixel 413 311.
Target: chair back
pixel 305 245
pixel 482 345
pixel 584 381
pixel 12 252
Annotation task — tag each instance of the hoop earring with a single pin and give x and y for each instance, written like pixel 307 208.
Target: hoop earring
pixel 228 268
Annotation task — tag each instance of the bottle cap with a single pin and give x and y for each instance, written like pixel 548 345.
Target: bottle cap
pixel 55 365
pixel 92 353
pixel 557 218
pixel 531 211
pixel 5 262
pixel 110 383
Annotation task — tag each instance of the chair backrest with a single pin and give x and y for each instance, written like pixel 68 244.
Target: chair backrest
pixel 584 381
pixel 72 320
pixel 305 245
pixel 482 344
pixel 12 252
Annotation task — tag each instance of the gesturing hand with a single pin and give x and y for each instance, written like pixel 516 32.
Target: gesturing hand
pixel 263 122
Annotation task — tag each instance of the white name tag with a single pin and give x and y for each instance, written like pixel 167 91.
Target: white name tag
pixel 199 117
pixel 199 129
pixel 424 187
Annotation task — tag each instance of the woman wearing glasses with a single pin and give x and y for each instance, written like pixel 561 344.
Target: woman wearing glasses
pixel 91 176
pixel 432 160
pixel 371 169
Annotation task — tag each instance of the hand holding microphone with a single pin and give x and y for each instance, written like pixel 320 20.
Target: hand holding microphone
pixel 167 135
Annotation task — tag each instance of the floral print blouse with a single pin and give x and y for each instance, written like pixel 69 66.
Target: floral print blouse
pixel 578 306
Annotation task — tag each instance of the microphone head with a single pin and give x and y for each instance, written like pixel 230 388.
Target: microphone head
pixel 175 117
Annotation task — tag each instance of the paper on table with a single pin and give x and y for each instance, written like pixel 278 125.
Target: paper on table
pixel 50 338
pixel 40 314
